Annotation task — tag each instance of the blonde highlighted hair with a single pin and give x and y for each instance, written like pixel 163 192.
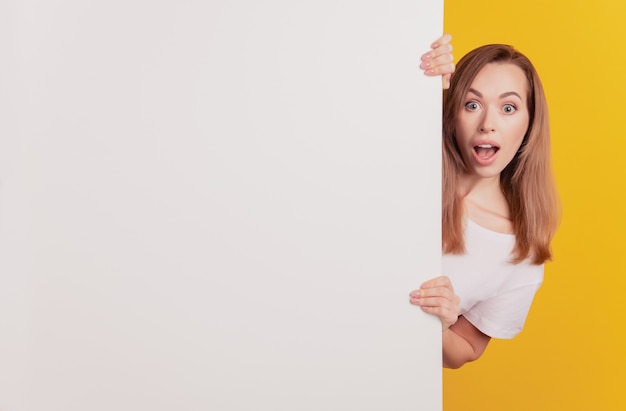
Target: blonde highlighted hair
pixel 527 181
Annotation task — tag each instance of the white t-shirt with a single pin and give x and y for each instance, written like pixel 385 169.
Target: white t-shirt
pixel 495 293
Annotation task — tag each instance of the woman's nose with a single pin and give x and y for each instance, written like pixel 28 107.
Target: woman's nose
pixel 487 122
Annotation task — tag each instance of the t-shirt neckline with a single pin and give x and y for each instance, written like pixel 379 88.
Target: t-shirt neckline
pixel 476 226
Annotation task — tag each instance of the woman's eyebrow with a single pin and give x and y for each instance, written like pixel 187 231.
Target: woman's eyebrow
pixel 510 93
pixel 503 95
pixel 474 91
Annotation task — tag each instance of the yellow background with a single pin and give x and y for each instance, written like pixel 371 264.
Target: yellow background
pixel 572 352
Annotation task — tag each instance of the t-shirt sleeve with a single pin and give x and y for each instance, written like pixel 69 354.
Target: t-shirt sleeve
pixel 503 315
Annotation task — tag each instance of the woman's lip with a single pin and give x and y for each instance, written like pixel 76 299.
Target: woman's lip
pixel 485 161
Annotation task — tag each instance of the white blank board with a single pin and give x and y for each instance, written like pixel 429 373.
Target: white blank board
pixel 218 205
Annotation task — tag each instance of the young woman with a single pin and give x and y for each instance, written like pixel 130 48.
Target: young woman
pixel 499 200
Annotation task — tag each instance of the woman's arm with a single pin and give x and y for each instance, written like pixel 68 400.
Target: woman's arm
pixel 462 342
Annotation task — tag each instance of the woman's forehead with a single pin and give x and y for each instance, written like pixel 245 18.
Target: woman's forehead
pixel 498 79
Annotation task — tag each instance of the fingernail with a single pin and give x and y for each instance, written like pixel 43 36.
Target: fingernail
pixel 426 56
pixel 425 65
pixel 429 72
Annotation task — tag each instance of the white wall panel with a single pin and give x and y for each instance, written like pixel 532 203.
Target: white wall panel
pixel 218 205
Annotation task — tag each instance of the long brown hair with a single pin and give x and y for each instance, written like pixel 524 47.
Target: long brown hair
pixel 527 181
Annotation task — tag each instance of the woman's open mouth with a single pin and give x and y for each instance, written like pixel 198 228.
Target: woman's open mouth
pixel 485 153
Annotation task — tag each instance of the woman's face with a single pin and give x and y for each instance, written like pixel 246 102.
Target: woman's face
pixel 494 118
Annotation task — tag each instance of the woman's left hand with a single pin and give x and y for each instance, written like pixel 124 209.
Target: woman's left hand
pixel 439 61
pixel 437 297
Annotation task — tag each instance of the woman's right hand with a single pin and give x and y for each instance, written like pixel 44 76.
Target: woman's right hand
pixel 437 297
pixel 439 61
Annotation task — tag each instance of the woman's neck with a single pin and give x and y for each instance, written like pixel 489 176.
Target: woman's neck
pixel 469 184
pixel 485 203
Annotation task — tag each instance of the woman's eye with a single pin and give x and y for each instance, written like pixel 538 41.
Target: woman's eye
pixel 509 108
pixel 472 105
